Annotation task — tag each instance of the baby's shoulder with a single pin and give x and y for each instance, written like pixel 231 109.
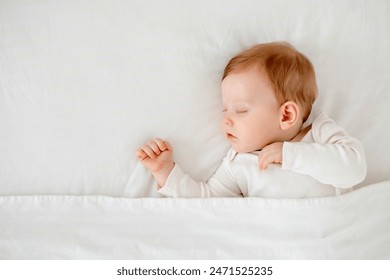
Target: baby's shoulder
pixel 322 120
pixel 324 128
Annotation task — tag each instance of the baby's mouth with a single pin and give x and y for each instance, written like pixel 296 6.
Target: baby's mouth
pixel 230 136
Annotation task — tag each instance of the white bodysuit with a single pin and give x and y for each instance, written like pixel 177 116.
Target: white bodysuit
pixel 326 162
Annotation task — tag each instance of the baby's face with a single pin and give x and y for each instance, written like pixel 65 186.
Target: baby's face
pixel 250 111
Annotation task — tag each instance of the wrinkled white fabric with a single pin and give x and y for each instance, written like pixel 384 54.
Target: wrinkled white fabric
pixel 84 84
pixel 354 225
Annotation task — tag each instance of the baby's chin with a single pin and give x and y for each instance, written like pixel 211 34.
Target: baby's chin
pixel 242 149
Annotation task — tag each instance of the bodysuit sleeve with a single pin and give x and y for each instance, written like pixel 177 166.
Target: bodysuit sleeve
pixel 221 184
pixel 335 158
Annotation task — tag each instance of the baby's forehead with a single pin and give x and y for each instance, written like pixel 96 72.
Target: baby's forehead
pixel 245 81
pixel 256 69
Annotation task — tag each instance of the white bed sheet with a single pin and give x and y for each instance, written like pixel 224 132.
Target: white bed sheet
pixel 352 226
pixel 84 84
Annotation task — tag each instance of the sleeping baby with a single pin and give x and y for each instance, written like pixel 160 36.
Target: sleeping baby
pixel 267 94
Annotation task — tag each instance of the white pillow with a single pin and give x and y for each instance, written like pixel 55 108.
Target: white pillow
pixel 83 85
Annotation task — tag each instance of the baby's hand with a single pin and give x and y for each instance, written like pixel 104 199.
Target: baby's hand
pixel 156 155
pixel 272 153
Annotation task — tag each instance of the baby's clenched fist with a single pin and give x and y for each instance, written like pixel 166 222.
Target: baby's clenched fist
pixel 157 156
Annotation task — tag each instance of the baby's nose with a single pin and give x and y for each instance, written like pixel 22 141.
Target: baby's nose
pixel 227 121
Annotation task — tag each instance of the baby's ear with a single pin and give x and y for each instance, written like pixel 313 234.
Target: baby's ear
pixel 289 115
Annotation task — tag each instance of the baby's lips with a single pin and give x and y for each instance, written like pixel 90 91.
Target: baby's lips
pixel 230 135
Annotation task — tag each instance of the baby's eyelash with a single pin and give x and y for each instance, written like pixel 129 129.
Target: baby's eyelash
pixel 224 110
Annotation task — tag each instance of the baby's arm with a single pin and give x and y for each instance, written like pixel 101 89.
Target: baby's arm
pixel 156 156
pixel 221 184
pixel 335 158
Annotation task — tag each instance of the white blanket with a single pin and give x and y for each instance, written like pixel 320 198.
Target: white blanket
pixel 352 226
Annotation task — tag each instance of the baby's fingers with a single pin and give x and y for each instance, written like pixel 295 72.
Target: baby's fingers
pixel 152 149
pixel 271 154
pixel 149 152
pixel 161 144
pixel 264 159
pixel 263 164
pixel 155 149
pixel 141 155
